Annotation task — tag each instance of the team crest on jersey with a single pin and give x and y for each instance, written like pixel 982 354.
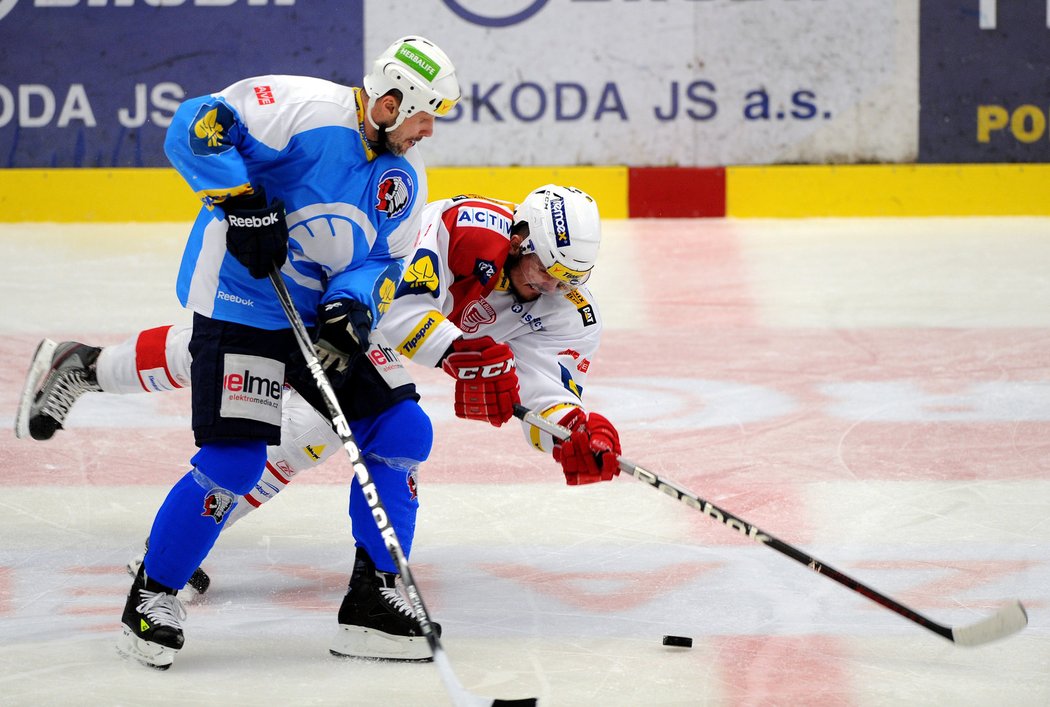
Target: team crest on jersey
pixel 394 193
pixel 421 276
pixel 476 314
pixel 570 383
pixel 484 270
pixel 210 129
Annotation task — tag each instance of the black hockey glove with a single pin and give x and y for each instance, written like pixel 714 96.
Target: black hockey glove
pixel 256 234
pixel 343 326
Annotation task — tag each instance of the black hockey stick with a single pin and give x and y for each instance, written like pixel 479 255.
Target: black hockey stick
pixel 1007 620
pixel 459 694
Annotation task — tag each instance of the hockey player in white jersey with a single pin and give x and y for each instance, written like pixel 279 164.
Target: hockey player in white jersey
pixel 320 182
pixel 495 296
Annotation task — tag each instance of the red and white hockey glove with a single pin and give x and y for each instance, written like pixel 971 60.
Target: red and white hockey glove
pixel 589 454
pixel 486 380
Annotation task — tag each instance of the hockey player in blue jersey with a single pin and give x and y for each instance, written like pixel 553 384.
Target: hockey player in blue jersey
pixel 322 182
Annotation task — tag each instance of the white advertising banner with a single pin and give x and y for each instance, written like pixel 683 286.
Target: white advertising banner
pixel 669 82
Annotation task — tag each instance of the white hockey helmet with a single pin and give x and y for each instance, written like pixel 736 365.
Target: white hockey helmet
pixel 564 231
pixel 422 73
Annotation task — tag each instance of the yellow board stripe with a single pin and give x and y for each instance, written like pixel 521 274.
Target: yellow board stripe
pixel 778 191
pixel 160 194
pixel 887 190
pixel 95 195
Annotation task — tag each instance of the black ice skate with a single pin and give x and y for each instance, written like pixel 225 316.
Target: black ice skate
pixel 199 581
pixel 375 621
pixel 152 620
pixel 58 375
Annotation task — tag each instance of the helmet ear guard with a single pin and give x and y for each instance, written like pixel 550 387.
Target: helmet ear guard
pixel 421 72
pixel 564 231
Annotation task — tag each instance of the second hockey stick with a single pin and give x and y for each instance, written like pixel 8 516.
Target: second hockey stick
pixel 459 694
pixel 1007 620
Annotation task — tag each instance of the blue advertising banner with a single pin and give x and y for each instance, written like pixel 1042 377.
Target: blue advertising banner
pixel 984 81
pixel 94 83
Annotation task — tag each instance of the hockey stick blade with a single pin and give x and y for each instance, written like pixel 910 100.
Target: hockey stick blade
pixel 461 697
pixel 1008 620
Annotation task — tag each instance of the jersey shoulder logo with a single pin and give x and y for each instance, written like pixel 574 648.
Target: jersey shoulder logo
pixel 394 192
pixel 576 298
pixel 210 131
pixel 484 270
pixel 587 314
pixel 583 307
pixel 385 288
pixel 421 276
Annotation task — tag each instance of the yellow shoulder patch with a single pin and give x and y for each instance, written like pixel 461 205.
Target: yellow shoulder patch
pixel 423 328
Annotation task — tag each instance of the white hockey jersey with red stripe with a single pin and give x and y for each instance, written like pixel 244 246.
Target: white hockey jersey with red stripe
pixel 455 284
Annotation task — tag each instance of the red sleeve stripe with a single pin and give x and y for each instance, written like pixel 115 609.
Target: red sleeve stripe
pixel 151 354
pixel 278 475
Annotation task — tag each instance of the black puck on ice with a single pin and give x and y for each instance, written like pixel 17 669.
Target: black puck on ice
pixel 680 641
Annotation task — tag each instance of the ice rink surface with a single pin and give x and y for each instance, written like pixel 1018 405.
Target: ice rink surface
pixel 875 392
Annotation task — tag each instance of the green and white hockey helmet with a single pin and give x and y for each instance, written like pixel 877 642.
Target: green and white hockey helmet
pixel 421 72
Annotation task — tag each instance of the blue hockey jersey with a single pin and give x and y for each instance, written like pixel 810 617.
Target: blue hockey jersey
pixel 352 215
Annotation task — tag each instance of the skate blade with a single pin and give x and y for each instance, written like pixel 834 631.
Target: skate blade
pixel 361 642
pixel 38 369
pixel 148 654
